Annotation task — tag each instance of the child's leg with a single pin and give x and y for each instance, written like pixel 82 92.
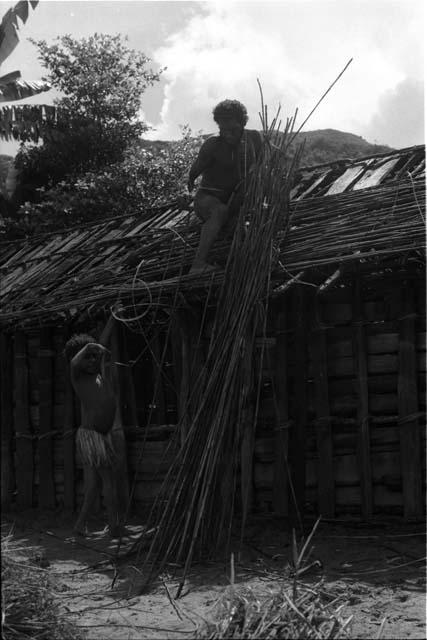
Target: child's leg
pixel 91 488
pixel 109 483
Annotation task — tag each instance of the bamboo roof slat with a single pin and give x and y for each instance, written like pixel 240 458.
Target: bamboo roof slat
pixel 182 217
pixel 56 269
pixel 171 221
pixel 57 243
pixel 136 229
pixel 158 222
pixel 70 242
pixel 7 278
pixel 18 257
pixel 420 169
pixel 46 250
pixel 317 182
pixel 27 274
pixel 111 244
pixel 347 179
pixel 373 176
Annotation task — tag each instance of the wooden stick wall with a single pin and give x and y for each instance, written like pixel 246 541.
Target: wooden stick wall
pixel 347 375
pixel 341 424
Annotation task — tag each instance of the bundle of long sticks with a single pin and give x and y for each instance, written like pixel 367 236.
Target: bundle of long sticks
pixel 195 508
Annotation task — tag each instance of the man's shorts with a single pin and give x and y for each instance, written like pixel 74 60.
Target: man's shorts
pixel 207 202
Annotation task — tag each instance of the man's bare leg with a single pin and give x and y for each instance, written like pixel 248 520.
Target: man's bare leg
pixel 208 235
pixel 91 482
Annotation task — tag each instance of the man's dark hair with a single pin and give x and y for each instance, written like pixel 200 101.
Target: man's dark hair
pixel 230 109
pixel 75 343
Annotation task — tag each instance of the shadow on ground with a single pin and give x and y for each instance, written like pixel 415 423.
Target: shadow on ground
pixel 379 569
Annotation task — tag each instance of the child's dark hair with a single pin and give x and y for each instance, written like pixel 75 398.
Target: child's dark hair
pixel 75 343
pixel 230 109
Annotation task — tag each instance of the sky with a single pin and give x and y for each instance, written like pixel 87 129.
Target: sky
pixel 296 48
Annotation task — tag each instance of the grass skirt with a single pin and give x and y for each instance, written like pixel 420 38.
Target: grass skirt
pixel 96 449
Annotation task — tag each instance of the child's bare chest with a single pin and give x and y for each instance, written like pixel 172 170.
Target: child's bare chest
pixel 95 390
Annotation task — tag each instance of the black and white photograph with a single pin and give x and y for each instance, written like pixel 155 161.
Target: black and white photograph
pixel 212 319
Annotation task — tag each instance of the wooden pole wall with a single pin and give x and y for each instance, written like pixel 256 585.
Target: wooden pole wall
pixel 410 446
pixel 68 439
pixel 46 496
pixel 325 475
pixel 360 358
pixel 192 361
pixel 360 352
pixel 248 436
pixel 6 420
pixel 281 437
pixel 184 386
pixel 24 438
pixel 159 399
pixel 126 400
pixel 298 434
pixel 126 383
pixel 69 445
pixel 176 347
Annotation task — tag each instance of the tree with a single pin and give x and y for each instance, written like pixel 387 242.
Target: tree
pixel 150 176
pixel 101 82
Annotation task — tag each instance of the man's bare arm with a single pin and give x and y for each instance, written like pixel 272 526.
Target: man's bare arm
pixel 200 164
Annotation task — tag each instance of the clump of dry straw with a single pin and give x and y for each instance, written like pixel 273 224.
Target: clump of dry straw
pixel 244 613
pixel 291 609
pixel 29 608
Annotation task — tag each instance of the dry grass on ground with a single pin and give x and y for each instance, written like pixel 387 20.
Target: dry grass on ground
pixel 310 613
pixel 291 609
pixel 29 608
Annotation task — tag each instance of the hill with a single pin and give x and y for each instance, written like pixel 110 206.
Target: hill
pixel 327 145
pixel 322 145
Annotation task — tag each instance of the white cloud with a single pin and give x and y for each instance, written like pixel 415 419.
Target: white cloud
pixel 296 48
pixel 400 117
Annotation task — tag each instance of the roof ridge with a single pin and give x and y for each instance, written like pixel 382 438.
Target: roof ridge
pixel 392 152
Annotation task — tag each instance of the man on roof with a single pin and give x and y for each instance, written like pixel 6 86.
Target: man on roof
pixel 224 162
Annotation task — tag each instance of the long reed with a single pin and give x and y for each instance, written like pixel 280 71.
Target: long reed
pixel 195 508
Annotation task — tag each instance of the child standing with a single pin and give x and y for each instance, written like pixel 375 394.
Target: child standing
pixel 100 438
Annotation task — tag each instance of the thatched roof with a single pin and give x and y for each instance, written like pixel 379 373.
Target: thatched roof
pixel 345 213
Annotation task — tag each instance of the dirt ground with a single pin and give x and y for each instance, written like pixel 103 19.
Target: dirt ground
pixel 379 570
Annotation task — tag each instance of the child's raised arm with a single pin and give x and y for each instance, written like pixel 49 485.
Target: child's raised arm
pixel 105 336
pixel 90 351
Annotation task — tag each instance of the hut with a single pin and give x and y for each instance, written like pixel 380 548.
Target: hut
pixel 340 362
